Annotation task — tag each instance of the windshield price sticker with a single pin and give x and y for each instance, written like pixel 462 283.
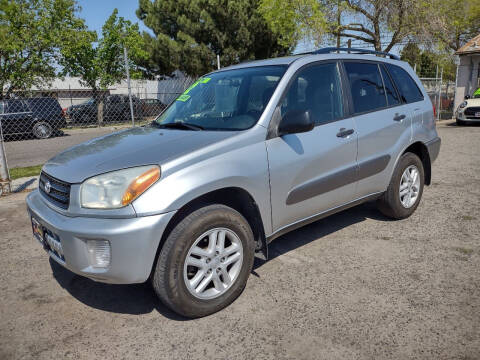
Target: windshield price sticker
pixel 184 97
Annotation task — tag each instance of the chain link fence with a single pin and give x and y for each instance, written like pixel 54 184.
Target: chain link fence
pixel 36 124
pixel 46 113
pixel 442 94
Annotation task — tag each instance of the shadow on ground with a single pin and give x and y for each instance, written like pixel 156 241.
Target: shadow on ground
pixel 141 299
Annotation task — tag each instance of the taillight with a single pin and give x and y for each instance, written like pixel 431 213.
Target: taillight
pixel 434 111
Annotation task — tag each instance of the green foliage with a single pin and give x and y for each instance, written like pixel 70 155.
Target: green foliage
pixel 102 64
pixel 189 34
pixel 426 61
pixel 460 21
pixel 411 53
pixel 295 20
pixel 31 34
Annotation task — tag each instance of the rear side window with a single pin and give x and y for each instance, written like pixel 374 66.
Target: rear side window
pixel 366 86
pixel 407 87
pixel 16 106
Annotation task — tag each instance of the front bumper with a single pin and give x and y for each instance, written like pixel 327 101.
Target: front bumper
pixel 133 241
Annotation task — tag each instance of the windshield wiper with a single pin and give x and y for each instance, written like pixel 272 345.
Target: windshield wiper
pixel 178 125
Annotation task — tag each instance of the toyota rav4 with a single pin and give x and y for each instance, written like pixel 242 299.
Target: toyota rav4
pixel 244 155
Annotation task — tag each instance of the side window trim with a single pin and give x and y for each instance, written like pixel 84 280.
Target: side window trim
pixel 397 91
pixel 383 84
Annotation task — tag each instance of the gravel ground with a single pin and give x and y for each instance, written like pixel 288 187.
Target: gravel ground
pixel 351 286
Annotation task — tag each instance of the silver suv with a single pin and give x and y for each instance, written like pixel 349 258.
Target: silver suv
pixel 244 155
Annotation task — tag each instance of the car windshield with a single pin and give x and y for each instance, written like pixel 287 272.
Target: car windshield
pixel 89 101
pixel 226 100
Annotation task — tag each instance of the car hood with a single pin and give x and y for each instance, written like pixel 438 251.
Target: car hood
pixel 473 102
pixel 128 148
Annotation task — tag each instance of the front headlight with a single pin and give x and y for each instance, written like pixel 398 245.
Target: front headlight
pixel 463 104
pixel 117 188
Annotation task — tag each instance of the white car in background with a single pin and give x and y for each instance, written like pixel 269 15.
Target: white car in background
pixel 469 110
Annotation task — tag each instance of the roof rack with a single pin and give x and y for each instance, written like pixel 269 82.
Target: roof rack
pixel 328 50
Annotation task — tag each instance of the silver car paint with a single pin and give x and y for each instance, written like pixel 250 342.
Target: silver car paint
pixel 195 163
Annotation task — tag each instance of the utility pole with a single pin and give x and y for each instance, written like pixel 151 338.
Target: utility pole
pixel 338 23
pixel 125 55
pixel 4 176
pixel 218 62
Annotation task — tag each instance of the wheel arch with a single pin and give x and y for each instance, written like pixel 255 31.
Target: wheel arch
pixel 235 197
pixel 420 149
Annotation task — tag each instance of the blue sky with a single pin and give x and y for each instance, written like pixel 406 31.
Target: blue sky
pixel 96 12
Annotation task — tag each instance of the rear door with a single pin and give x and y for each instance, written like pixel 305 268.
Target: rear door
pixel 17 117
pixel 313 172
pixel 383 123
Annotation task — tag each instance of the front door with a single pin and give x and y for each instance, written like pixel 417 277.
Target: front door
pixel 315 171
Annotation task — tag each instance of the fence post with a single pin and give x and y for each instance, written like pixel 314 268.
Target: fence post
pixel 125 55
pixel 4 176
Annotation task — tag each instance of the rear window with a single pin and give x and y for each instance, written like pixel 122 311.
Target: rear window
pixel 409 91
pixel 366 86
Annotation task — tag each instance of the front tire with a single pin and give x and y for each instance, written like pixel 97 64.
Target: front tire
pixel 461 122
pixel 205 261
pixel 405 189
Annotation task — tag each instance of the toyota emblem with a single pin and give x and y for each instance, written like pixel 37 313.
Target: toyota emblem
pixel 47 187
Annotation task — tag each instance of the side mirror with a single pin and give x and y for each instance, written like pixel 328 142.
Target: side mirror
pixel 295 121
pixel 467 97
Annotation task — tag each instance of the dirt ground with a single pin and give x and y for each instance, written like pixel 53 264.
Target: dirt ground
pixel 351 286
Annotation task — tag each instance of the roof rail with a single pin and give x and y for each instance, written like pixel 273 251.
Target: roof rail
pixel 328 50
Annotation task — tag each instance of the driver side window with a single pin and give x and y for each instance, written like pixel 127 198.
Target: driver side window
pixel 316 88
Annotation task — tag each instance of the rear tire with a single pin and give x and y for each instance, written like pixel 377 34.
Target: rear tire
pixel 405 189
pixel 42 130
pixel 173 276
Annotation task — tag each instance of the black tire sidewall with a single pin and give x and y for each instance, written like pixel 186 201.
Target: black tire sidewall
pixel 176 248
pixel 44 124
pixel 405 161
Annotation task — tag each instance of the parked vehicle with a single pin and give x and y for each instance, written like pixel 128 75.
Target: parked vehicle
pixel 151 107
pixel 244 155
pixel 116 108
pixel 469 110
pixel 40 116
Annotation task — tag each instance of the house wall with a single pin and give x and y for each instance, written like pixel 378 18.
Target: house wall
pixel 467 77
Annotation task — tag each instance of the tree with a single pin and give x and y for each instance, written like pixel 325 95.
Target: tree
pixel 426 61
pixel 380 23
pixel 411 53
pixel 188 35
pixel 32 33
pixel 101 64
pixel 295 20
pixel 459 21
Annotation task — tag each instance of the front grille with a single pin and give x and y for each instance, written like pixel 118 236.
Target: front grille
pixel 59 193
pixel 470 111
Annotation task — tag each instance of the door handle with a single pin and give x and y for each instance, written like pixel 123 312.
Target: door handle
pixel 344 132
pixel 399 117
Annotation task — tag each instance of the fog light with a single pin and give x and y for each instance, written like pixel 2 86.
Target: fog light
pixel 99 253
